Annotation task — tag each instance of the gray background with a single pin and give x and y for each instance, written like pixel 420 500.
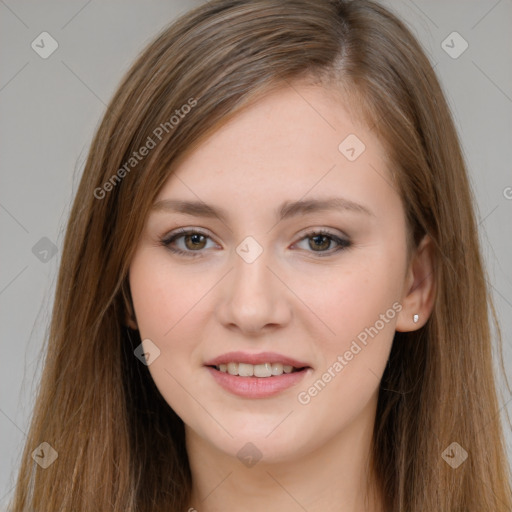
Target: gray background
pixel 49 109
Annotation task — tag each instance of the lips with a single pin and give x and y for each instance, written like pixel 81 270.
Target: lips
pixel 261 375
pixel 286 372
pixel 256 387
pixel 254 359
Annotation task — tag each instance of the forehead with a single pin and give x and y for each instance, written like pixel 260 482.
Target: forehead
pixel 297 140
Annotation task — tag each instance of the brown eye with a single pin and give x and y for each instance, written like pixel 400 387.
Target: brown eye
pixel 195 241
pixel 187 243
pixel 320 242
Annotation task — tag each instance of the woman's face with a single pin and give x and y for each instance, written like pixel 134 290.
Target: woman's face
pixel 306 260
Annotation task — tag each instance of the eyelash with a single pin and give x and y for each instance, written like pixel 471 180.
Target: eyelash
pixel 169 239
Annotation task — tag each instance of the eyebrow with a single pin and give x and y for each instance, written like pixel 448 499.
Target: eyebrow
pixel 287 209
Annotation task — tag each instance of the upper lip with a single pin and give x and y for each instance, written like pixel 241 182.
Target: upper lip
pixel 260 358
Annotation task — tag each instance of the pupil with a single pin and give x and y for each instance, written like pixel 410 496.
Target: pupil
pixel 194 240
pixel 324 246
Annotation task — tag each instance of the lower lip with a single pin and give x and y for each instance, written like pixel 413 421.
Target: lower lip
pixel 256 387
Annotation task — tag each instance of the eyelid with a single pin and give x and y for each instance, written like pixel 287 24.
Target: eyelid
pixel 334 232
pixel 186 231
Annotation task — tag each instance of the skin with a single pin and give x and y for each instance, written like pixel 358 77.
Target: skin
pixel 289 300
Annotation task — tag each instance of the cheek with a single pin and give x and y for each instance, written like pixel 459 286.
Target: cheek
pixel 167 305
pixel 359 301
pixel 162 297
pixel 355 295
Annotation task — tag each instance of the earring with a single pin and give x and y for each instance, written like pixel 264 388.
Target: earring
pixel 415 318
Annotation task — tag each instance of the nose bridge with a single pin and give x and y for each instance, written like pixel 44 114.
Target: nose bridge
pixel 251 260
pixel 251 279
pixel 253 299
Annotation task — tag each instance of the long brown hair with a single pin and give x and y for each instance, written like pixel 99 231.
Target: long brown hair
pixel 120 446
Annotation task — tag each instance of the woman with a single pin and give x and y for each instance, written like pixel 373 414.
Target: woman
pixel 271 294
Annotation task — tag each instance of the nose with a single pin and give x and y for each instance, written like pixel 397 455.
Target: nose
pixel 254 300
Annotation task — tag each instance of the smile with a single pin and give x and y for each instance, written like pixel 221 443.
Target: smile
pixel 256 370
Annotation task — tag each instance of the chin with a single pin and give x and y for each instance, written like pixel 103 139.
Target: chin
pixel 269 441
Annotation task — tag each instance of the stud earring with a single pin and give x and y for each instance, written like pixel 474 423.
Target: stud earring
pixel 415 318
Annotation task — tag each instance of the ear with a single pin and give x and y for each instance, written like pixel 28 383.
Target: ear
pixel 130 320
pixel 419 288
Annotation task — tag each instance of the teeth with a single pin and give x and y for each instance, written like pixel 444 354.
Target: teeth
pixel 263 370
pixel 245 370
pixel 256 370
pixel 233 368
pixel 277 368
